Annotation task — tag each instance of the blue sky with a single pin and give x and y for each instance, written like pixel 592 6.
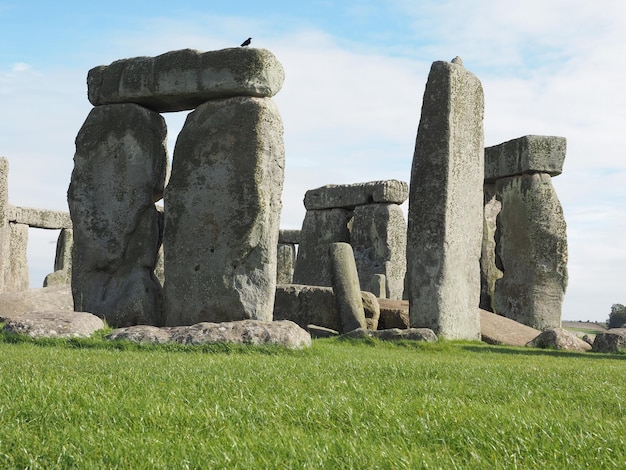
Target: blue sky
pixel 355 75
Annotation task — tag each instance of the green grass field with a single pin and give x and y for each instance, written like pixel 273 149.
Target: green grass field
pixel 363 404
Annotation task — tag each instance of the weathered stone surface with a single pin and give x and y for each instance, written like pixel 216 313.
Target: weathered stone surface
pixel 315 305
pixel 393 314
pixel 528 154
pixel 285 263
pixel 291 237
pixel 39 218
pixel 62 274
pixel 611 341
pixel 119 170
pixel 54 324
pixel 320 228
pixel 256 332
pixel 181 80
pixel 346 287
pixel 348 196
pixel 379 241
pixel 496 329
pixel 371 309
pixel 321 332
pixel 394 334
pixel 222 209
pixel 558 338
pixel 446 205
pixel 14 304
pixel 489 271
pixel 15 273
pixel 532 250
pixel 5 234
pixel 378 286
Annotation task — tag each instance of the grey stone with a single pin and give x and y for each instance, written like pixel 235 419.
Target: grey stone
pixel 119 170
pixel 291 237
pixel 14 304
pixel 348 196
pixel 62 274
pixel 346 287
pixel 393 314
pixel 611 341
pixel 255 332
pixel 40 218
pixel 286 260
pixel 379 241
pixel 532 249
pixel 457 60
pixel 489 271
pixel 319 229
pixel 222 209
pixel 371 309
pixel 394 334
pixel 321 332
pixel 5 233
pixel 182 80
pixel 499 330
pixel 315 305
pixel 558 338
pixel 378 286
pixel 446 205
pixel 528 154
pixel 15 273
pixel 54 324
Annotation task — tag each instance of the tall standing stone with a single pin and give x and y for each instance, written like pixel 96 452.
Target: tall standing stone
pixel 446 205
pixel 222 209
pixel 119 171
pixel 346 288
pixel 532 247
pixel 5 232
pixel 379 243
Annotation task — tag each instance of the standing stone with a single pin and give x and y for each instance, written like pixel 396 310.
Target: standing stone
pixel 379 242
pixel 5 233
pixel 532 247
pixel 345 281
pixel 446 205
pixel 62 274
pixel 16 277
pixel 320 228
pixel 222 209
pixel 119 170
pixel 286 260
pixel 489 270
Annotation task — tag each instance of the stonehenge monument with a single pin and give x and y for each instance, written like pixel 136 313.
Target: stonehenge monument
pixel 446 205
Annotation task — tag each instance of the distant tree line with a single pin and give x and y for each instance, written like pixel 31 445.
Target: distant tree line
pixel 617 317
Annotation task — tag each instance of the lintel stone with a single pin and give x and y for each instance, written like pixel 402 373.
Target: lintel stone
pixel 291 237
pixel 528 154
pixel 39 218
pixel 182 80
pixel 348 196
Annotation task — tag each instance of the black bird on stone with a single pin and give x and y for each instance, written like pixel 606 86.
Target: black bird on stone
pixel 246 42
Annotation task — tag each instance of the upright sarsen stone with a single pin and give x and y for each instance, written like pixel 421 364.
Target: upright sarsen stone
pixel 532 247
pixel 119 171
pixel 446 205
pixel 222 209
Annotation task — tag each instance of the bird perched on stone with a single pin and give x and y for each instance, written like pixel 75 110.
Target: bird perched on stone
pixel 457 60
pixel 246 42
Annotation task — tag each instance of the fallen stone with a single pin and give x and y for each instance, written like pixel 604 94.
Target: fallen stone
pixel 371 309
pixel 15 304
pixel 54 324
pixel 394 334
pixel 393 314
pixel 348 196
pixel 611 341
pixel 499 330
pixel 528 154
pixel 321 332
pixel 446 205
pixel 255 332
pixel 182 80
pixel 222 213
pixel 558 338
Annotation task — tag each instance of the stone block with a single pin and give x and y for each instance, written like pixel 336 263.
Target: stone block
pixel 5 233
pixel 319 229
pixel 346 287
pixel 62 261
pixel 291 237
pixel 119 166
pixel 446 205
pixel 15 273
pixel 379 241
pixel 528 154
pixel 532 249
pixel 184 79
pixel 489 265
pixel 286 260
pixel 348 196
pixel 40 218
pixel 222 209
